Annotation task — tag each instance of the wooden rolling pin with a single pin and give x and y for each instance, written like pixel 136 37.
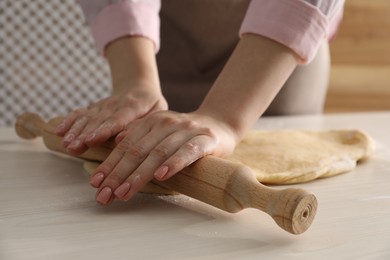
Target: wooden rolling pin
pixel 221 183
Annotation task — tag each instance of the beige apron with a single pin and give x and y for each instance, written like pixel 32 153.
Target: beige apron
pixel 197 38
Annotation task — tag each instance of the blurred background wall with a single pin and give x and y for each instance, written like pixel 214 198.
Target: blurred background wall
pixel 48 63
pixel 360 79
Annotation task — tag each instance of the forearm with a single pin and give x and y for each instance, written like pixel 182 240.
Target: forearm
pixel 133 64
pixel 136 92
pixel 249 82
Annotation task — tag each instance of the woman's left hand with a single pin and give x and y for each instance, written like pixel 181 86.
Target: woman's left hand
pixel 159 145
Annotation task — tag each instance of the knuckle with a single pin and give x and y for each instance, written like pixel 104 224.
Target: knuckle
pixel 168 121
pixel 95 118
pixel 115 121
pixel 191 148
pixel 177 163
pixel 82 136
pixel 123 146
pixel 107 125
pixel 114 118
pixel 81 120
pixel 137 152
pixel 160 152
pixel 207 131
pixel 188 124
pixel 110 102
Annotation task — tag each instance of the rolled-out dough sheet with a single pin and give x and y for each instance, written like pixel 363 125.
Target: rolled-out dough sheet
pixel 295 156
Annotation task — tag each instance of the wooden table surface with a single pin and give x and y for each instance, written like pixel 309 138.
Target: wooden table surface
pixel 48 210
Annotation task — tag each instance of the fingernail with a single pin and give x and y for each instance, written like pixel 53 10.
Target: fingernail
pixel 104 195
pixel 75 144
pixel 161 172
pixel 68 138
pixel 122 190
pixel 97 179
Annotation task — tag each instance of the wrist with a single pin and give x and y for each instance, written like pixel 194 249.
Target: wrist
pixel 250 80
pixel 133 64
pixel 134 85
pixel 232 128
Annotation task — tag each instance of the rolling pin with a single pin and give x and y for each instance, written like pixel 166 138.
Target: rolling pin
pixel 218 182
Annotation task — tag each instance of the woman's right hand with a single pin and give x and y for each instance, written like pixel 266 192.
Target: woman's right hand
pixel 136 93
pixel 93 125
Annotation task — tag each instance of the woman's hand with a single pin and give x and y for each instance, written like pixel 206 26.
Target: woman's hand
pixel 136 93
pixel 159 145
pixel 95 124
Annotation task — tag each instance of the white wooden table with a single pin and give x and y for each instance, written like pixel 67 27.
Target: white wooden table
pixel 47 210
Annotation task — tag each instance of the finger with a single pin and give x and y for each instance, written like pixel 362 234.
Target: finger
pixel 74 131
pixel 107 129
pixel 194 149
pixel 64 126
pixel 136 155
pixel 78 146
pixel 94 122
pixel 106 167
pixel 105 196
pixel 109 173
pixel 66 123
pixel 145 172
pixel 113 123
pixel 120 136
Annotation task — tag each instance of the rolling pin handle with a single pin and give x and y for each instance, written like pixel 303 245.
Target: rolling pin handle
pixel 293 209
pixel 29 125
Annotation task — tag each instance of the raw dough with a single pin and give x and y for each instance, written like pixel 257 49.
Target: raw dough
pixel 294 156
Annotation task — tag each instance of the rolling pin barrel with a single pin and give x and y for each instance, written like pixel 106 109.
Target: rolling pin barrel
pixel 221 183
pixel 29 126
pixel 233 187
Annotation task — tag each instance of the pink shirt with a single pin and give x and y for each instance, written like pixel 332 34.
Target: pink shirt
pixel 300 25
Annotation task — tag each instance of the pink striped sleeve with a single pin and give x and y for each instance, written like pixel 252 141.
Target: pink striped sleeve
pixel 293 23
pixel 126 18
